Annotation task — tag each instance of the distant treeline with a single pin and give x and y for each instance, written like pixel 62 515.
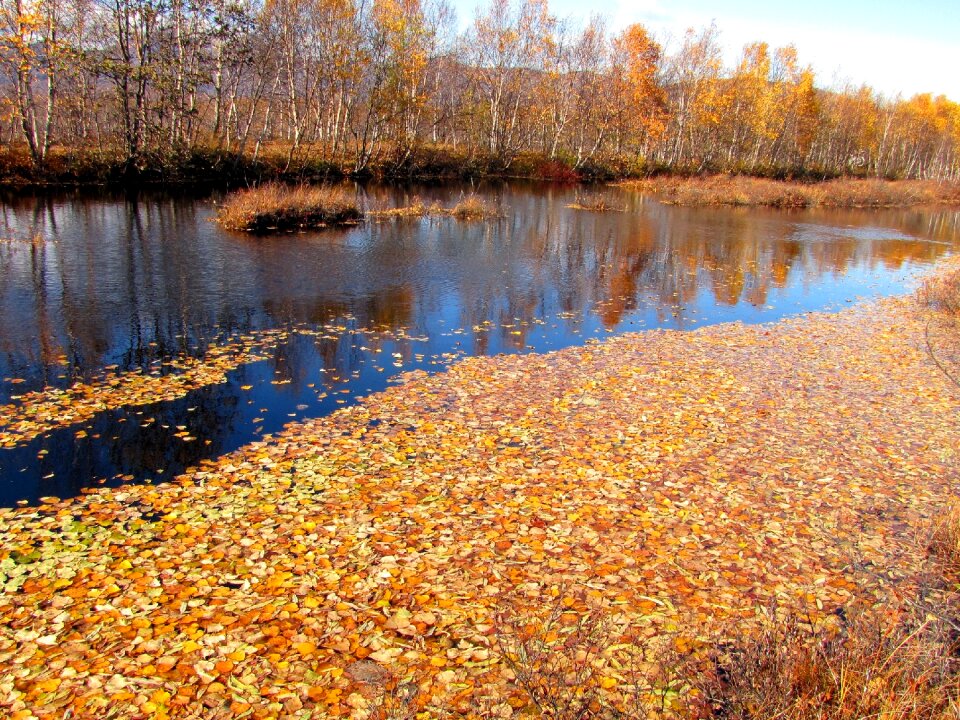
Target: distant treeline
pixel 356 86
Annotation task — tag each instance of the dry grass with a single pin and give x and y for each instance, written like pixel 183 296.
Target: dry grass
pixel 944 543
pixel 469 208
pixel 752 192
pixel 415 210
pixel 889 663
pixel 274 207
pixel 473 208
pixel 595 202
pixel 941 293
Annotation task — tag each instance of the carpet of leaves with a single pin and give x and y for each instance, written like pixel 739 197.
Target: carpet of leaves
pixel 676 481
pixel 34 413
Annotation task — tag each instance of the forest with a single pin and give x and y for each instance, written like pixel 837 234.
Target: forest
pixel 394 87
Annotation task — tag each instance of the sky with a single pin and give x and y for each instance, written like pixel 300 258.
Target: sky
pixel 894 46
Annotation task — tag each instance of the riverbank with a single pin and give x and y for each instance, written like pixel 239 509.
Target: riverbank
pixel 745 191
pixel 680 484
pixel 69 167
pixel 215 168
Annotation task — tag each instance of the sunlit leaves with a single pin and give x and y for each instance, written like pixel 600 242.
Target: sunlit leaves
pixel 671 481
pixel 35 413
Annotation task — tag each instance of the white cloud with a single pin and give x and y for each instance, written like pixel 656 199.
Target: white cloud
pixel 889 63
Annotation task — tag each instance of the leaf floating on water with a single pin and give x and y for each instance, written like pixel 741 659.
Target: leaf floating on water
pixel 672 481
pixel 42 411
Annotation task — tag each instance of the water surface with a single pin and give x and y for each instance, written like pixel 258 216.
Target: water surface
pixel 98 286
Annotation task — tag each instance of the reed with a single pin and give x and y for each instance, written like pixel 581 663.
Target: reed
pixel 473 208
pixel 594 202
pixel 275 207
pixel 745 191
pixel 469 208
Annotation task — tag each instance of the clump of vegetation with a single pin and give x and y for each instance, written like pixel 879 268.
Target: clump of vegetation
pixel 745 191
pixel 415 210
pixel 595 202
pixel 944 543
pixel 886 663
pixel 941 293
pixel 275 207
pixel 473 208
pixel 469 208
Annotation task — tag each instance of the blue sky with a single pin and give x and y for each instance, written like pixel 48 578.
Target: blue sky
pixel 894 46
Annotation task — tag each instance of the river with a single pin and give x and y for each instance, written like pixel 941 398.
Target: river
pixel 108 289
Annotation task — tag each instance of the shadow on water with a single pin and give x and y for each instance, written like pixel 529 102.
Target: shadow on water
pixel 92 286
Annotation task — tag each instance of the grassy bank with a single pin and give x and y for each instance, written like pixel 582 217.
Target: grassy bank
pixel 275 162
pixel 664 522
pixel 894 660
pixel 942 336
pixel 752 192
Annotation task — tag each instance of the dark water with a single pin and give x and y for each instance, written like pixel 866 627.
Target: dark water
pixel 113 284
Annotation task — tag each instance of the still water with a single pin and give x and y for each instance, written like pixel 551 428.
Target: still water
pixel 94 288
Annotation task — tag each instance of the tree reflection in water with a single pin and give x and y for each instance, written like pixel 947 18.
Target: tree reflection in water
pixel 131 281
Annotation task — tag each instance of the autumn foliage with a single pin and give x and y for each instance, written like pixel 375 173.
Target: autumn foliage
pixel 597 532
pixel 315 87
